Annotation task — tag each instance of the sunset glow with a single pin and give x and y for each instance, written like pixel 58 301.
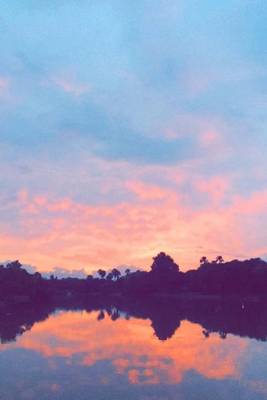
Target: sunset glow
pixel 80 336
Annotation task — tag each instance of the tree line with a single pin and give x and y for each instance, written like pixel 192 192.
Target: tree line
pixel 216 277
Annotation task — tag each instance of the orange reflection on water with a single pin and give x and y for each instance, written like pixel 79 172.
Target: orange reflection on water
pixel 133 349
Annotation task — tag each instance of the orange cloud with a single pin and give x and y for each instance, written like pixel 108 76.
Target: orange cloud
pixel 73 235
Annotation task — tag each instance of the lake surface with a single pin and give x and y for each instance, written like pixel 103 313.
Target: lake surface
pixel 79 355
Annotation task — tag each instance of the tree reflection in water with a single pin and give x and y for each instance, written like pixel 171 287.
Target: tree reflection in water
pixel 223 317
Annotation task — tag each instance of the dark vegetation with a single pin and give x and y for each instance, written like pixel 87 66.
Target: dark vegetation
pixel 224 297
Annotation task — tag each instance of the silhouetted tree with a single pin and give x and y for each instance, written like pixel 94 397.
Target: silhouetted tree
pixel 37 276
pixel 14 265
pixel 116 273
pixel 206 333
pixel 164 265
pixel 101 273
pixel 203 260
pixel 219 260
pixel 109 276
pixel 127 271
pixel 223 335
pixel 101 315
pixel 115 315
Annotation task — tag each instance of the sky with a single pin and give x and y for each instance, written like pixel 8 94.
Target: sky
pixel 132 127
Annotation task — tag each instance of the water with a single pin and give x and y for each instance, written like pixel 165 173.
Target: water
pixel 79 355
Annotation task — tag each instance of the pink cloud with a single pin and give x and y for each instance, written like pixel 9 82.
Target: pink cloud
pixel 148 191
pixel 197 82
pixel 206 130
pixel 216 187
pixel 253 204
pixel 209 138
pixel 4 84
pixel 69 84
pixel 73 235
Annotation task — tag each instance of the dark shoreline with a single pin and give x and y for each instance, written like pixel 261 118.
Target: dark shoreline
pixel 245 317
pixel 222 297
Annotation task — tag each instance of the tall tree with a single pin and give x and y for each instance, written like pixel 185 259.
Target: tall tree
pixel 163 264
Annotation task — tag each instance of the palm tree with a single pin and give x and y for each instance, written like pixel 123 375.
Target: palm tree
pixel 101 315
pixel 206 333
pixel 204 260
pixel 116 273
pixel 109 276
pixel 223 335
pixel 115 315
pixel 101 273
